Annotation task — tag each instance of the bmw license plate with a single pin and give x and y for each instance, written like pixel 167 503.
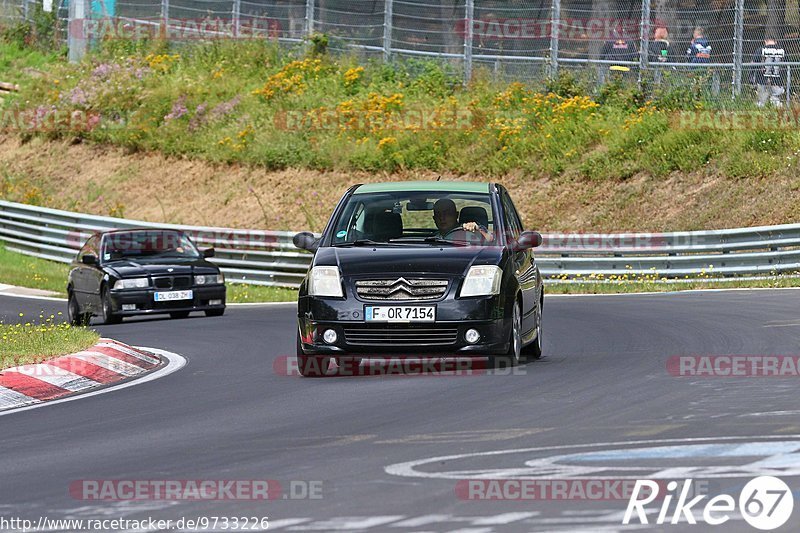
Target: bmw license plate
pixel 171 296
pixel 400 313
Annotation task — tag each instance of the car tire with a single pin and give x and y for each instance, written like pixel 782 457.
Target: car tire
pixel 311 366
pixel 179 314
pixel 74 314
pixel 108 316
pixel 215 312
pixel 513 356
pixel 534 349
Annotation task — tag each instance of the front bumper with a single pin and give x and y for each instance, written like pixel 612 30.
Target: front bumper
pixel 381 339
pixel 145 303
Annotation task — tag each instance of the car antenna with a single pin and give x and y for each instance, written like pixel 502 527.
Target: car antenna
pixel 439 178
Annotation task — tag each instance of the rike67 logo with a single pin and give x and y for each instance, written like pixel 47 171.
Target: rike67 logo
pixel 765 503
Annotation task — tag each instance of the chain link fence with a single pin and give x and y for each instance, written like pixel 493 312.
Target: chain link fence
pixel 526 40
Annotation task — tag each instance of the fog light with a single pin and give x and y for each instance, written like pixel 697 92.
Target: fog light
pixel 329 336
pixel 215 302
pixel 472 336
pixel 129 307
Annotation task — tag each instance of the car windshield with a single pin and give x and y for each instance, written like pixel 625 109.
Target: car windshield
pixel 150 244
pixel 416 217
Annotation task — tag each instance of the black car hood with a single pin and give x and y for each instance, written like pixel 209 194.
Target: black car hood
pixel 448 260
pixel 160 267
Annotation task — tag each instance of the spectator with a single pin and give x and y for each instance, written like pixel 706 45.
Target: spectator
pixel 700 49
pixel 660 50
pixel 769 79
pixel 619 49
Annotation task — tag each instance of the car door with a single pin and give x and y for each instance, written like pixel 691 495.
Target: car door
pixel 78 275
pixel 94 276
pixel 524 266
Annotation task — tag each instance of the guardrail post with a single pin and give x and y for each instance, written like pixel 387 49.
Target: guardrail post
pixel 737 48
pixel 237 14
pixel 470 26
pixel 76 30
pixel 555 25
pixel 387 29
pixel 310 16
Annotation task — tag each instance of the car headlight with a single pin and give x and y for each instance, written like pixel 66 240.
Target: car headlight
pixel 325 281
pixel 209 279
pixel 482 281
pixel 132 283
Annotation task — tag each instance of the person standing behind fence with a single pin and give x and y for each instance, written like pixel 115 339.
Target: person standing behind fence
pixel 619 49
pixel 769 79
pixel 660 50
pixel 700 49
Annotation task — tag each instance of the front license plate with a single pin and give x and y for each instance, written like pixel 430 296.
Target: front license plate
pixel 400 313
pixel 171 296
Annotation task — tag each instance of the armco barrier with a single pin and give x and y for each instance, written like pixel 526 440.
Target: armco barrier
pixel 269 258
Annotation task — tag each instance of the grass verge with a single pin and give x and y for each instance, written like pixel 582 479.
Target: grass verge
pixel 37 340
pixel 623 287
pixel 32 272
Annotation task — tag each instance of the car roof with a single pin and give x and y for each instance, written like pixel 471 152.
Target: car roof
pixel 138 230
pixel 439 186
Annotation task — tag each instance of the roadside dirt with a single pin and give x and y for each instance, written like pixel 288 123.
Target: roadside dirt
pixel 148 186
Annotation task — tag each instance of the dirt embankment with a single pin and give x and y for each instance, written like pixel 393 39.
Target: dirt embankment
pixel 108 181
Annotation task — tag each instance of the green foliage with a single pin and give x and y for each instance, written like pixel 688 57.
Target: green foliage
pixel 255 103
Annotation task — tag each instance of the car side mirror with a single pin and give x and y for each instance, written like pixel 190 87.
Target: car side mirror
pixel 528 240
pixel 209 252
pixel 89 259
pixel 305 240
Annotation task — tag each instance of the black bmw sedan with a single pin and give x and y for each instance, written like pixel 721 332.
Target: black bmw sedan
pixel 142 271
pixel 420 269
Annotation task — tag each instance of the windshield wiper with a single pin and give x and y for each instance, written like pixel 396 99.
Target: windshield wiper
pixel 361 242
pixel 438 240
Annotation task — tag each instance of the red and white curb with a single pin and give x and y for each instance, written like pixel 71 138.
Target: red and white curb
pixel 100 367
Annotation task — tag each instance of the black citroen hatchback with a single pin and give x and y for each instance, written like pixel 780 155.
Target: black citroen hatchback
pixel 420 269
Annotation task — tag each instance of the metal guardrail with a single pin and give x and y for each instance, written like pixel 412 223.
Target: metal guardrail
pixel 269 257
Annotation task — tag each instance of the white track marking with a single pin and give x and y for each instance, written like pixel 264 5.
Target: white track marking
pixel 55 376
pixel 109 363
pixel 10 398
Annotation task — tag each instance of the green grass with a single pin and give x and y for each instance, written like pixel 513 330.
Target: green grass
pixel 253 103
pixel 244 293
pixel 40 339
pixel 621 287
pixel 26 271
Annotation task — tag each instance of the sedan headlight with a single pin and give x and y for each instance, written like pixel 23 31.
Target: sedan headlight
pixel 482 281
pixel 209 279
pixel 325 281
pixel 132 283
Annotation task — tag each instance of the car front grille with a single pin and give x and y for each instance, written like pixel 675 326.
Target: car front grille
pixel 401 289
pixel 399 335
pixel 173 282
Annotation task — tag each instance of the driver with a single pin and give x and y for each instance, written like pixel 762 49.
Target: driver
pixel 445 216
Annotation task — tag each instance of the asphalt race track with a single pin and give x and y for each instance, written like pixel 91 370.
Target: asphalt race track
pixel 229 415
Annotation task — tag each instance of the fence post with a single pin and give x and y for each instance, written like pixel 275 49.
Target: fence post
pixel 470 26
pixel 555 25
pixel 237 17
pixel 387 29
pixel 164 18
pixel 738 40
pixel 644 38
pixel 788 85
pixel 76 30
pixel 310 16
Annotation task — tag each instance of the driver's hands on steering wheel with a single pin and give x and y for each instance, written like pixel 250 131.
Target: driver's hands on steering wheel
pixel 473 227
